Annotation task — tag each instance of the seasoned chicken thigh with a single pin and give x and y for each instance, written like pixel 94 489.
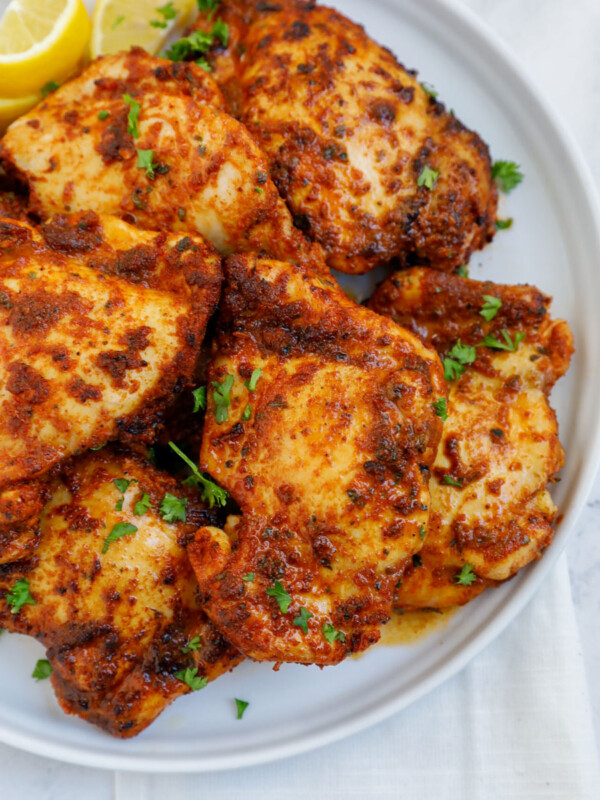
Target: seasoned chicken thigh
pixel 491 512
pixel 111 595
pixel 101 324
pixel 150 141
pixel 371 165
pixel 320 425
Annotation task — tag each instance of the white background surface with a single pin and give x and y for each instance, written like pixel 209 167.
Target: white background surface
pixel 558 43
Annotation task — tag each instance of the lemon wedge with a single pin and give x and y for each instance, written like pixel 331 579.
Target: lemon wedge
pixel 119 24
pixel 13 107
pixel 40 42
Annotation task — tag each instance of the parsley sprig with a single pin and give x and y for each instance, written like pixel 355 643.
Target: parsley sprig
pixel 211 493
pixel 490 307
pixel 507 175
pixel 428 177
pixel 133 116
pixel 507 344
pixel 221 398
pixel 42 669
pixel 241 706
pixel 199 396
pixel 332 635
pixel 466 576
pixel 458 358
pixel 146 161
pixel 441 408
pixel 172 509
pixel 191 677
pixel 302 619
pixel 279 593
pixel 119 530
pixel 198 43
pixel 19 596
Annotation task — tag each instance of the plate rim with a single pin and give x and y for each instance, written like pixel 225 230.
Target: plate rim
pixel 472 26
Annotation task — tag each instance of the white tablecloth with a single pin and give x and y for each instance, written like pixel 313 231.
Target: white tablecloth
pixel 516 723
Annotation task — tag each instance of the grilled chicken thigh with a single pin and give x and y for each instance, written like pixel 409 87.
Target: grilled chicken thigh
pixel 371 165
pixel 101 324
pixel 320 425
pixel 491 512
pixel 149 140
pixel 119 615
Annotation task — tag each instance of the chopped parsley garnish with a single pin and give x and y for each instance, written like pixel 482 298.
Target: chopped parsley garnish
pixel 133 116
pixel 117 22
pixel 428 177
pixel 254 378
pixel 504 224
pixel 508 344
pixel 258 190
pixel 190 676
pixel 199 398
pixel 441 408
pixel 466 576
pixel 463 271
pixel 457 359
pixel 120 529
pixel 142 505
pixel 172 508
pixel 429 89
pixel 103 115
pixel 19 596
pixel 448 480
pixel 146 161
pixel 490 307
pixel 506 174
pixel 193 644
pixel 330 633
pixel 42 670
pixel 202 62
pixel 282 597
pixel 241 706
pixel 221 398
pixel 208 6
pixel 247 413
pixel 157 23
pixel 122 484
pixel 167 11
pixel 211 493
pixel 49 88
pixel 302 619
pixel 198 43
pixel 422 531
pixel 249 577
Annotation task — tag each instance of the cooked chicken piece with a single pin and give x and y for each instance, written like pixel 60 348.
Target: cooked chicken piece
pixel 491 512
pixel 326 454
pixel 101 324
pixel 371 165
pixel 13 206
pixel 149 140
pixel 119 615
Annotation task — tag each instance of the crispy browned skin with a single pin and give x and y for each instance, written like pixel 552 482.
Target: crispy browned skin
pixel 114 624
pixel 348 131
pixel 329 468
pixel 211 176
pixel 500 440
pixel 101 324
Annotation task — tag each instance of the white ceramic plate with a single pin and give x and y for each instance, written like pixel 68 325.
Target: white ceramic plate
pixel 555 244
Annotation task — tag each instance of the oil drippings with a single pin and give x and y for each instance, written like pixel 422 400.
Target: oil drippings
pixel 412 626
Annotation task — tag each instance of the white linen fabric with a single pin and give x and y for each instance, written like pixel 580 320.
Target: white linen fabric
pixel 516 723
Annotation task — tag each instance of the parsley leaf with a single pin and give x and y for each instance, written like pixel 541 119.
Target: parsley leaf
pixel 133 116
pixel 156 23
pixel 193 644
pixel 458 358
pixel 248 577
pixel 49 88
pixel 103 115
pixel 302 619
pixel 191 677
pixel 422 531
pixel 221 398
pixel 117 22
pixel 198 42
pixel 241 706
pixel 19 595
pixel 202 62
pixel 211 493
pixel 463 271
pixel 221 30
pixel 428 177
pixel 330 633
pixel 254 378
pixel 466 576
pixel 122 484
pixel 120 529
pixel 172 508
pixel 208 5
pixel 441 408
pixel 429 89
pixel 448 480
pixel 490 307
pixel 507 175
pixel 282 597
pixel 167 11
pixel 247 413
pixel 43 669
pixel 199 395
pixel 508 344
pixel 504 224
pixel 142 505
pixel 146 161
